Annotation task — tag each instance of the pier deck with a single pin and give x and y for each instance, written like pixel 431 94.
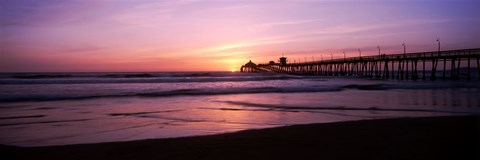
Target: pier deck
pixel 451 64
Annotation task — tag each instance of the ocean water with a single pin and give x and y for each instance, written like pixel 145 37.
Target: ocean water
pixel 44 109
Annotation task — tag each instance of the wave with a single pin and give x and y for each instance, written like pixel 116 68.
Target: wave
pixel 294 84
pixel 340 108
pixel 226 91
pixel 179 92
pixel 42 76
pixel 145 80
pixel 414 85
pixel 123 75
pixel 139 75
pixel 152 75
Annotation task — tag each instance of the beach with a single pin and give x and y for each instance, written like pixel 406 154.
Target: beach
pixel 450 137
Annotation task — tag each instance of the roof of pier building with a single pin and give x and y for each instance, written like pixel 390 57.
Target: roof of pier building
pixel 250 64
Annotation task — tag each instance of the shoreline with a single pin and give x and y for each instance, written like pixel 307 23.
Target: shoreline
pixel 447 137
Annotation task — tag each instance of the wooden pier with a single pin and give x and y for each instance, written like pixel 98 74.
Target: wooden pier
pixel 452 64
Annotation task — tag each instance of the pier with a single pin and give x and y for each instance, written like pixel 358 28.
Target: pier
pixel 451 64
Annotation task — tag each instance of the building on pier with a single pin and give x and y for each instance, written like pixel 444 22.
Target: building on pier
pixel 283 61
pixel 249 67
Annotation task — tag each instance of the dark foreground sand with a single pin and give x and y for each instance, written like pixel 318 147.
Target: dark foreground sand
pixel 405 138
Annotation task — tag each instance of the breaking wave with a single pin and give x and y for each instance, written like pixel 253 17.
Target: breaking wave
pixel 179 92
pixel 138 78
pixel 68 86
pixel 224 91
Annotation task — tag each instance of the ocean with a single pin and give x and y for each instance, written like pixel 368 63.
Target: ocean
pixel 45 109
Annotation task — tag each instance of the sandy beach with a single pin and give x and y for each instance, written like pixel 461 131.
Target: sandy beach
pixel 454 137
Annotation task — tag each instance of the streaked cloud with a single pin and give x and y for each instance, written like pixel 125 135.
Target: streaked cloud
pixel 218 35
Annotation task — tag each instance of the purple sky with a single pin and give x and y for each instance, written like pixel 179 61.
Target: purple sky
pixel 194 35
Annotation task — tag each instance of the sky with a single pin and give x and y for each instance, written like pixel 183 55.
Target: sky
pixel 221 35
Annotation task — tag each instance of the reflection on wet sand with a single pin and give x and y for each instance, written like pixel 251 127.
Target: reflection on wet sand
pixel 132 118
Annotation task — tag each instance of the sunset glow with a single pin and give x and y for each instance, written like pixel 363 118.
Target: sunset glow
pixel 192 35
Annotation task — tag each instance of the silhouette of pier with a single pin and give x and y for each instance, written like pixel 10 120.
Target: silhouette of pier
pixel 451 64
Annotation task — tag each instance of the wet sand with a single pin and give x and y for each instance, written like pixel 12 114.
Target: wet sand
pixel 402 138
